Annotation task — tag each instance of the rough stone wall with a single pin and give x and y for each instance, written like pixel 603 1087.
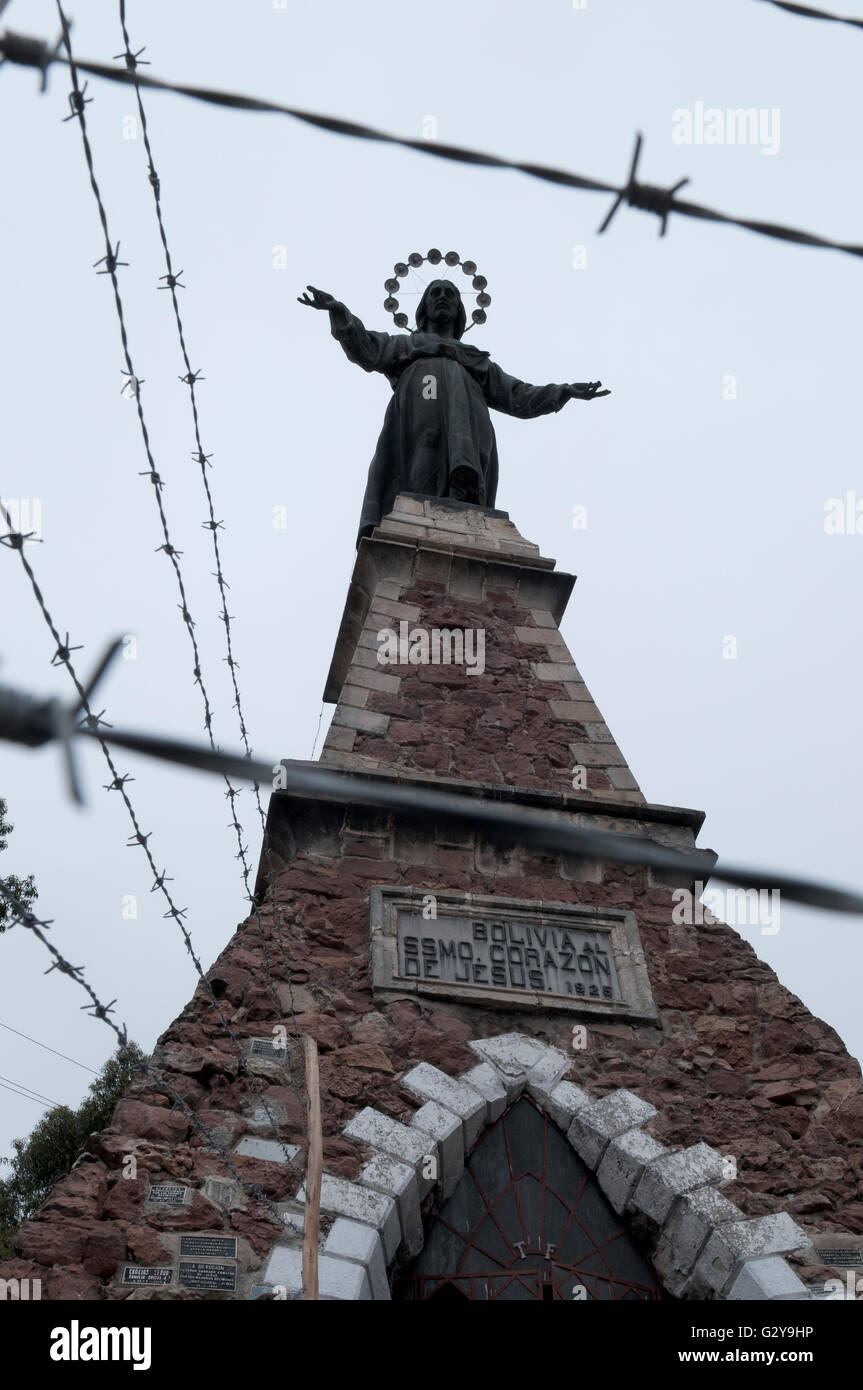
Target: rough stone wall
pixel 737 1061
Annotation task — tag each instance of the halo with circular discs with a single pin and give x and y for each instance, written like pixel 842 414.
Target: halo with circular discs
pixel 402 269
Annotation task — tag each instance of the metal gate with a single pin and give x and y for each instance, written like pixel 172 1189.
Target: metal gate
pixel 528 1221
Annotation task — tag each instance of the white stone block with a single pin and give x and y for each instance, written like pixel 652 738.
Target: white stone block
pixel 353 1241
pixel 513 1055
pixel 691 1221
pixel 623 1163
pixel 399 1181
pixel 563 1103
pixel 485 1079
pixel 732 1246
pixel 343 1198
pixel 267 1149
pixel 448 1130
pixel 378 1131
pixel 545 1074
pixel 285 1269
pixel 668 1177
pixel 342 1280
pixel 596 1124
pixel 429 1083
pixel 768 1279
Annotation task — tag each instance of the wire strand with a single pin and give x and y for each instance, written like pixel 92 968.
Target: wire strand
pixel 646 197
pixel 9 1029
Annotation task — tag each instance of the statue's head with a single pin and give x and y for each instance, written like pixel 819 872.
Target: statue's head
pixel 442 301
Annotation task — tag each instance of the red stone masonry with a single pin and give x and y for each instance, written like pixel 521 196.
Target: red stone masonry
pixel 527 719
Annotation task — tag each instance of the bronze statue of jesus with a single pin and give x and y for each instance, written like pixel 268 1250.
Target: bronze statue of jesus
pixel 437 438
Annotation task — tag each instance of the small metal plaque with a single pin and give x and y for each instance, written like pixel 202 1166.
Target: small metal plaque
pixel 148 1274
pixel 173 1193
pixel 265 1047
pixel 209 1247
pixel 220 1192
pixel 840 1259
pixel 218 1278
pixel 510 951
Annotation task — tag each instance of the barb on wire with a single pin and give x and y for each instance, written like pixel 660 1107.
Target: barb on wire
pixel 808 12
pixel 644 195
pixel 33 53
pixel 21 51
pixel 504 820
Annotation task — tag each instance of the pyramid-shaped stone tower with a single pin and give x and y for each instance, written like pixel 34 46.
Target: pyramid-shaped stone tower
pixel 536 1081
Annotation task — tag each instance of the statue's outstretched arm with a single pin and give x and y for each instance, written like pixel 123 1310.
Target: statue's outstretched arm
pixel 375 352
pixel 513 397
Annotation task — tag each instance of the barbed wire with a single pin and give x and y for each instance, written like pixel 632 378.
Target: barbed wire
pixel 26 918
pixel 111 263
pixel 26 720
pixel 646 197
pixel 78 101
pixel 807 12
pixel 133 61
pixel 97 726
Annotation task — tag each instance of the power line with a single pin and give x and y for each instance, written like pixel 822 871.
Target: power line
pixel 9 1029
pixel 25 1097
pixel 32 1095
pixel 647 197
pixel 808 13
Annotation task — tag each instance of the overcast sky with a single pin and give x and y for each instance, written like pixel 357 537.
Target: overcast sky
pixel 734 419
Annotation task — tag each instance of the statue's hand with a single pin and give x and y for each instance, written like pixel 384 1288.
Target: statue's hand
pixel 318 299
pixel 586 390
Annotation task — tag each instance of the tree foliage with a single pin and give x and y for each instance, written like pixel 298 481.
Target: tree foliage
pixel 53 1146
pixel 23 888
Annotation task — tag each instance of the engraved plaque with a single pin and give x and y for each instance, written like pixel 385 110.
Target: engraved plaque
pixel 148 1274
pixel 840 1259
pixel 265 1047
pixel 220 1192
pixel 209 1247
pixel 218 1278
pixel 506 954
pixel 523 954
pixel 173 1193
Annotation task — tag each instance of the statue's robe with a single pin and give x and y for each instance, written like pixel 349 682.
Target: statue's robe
pixel 437 420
